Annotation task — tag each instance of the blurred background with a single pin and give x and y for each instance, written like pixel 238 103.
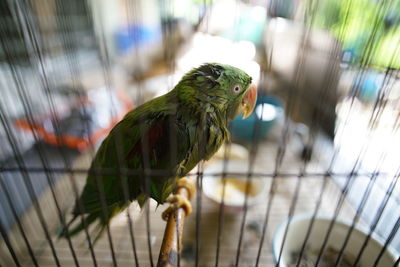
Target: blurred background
pixel 323 141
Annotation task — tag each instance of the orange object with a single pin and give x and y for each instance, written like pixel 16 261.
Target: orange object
pixel 71 141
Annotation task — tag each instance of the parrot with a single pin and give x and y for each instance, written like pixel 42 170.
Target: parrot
pixel 159 142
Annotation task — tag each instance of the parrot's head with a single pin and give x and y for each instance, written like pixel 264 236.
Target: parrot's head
pixel 227 88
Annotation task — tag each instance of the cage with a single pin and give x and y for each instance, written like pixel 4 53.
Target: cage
pixel 309 179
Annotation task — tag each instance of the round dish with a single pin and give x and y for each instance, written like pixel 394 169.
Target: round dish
pixel 235 184
pixel 297 232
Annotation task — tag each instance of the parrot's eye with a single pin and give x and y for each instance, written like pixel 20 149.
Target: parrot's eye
pixel 237 89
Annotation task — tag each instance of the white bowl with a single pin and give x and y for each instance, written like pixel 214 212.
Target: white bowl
pixel 235 185
pixel 297 233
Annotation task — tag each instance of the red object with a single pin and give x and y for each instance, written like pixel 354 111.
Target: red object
pixel 76 142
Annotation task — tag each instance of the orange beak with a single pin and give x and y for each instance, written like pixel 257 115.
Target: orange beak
pixel 249 101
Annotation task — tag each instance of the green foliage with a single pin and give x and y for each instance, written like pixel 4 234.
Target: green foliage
pixel 363 26
pixel 387 52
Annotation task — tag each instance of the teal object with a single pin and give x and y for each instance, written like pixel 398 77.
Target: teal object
pixel 250 26
pixel 253 128
pixel 369 86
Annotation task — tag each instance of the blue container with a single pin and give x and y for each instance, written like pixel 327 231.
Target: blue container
pixel 136 36
pixel 260 121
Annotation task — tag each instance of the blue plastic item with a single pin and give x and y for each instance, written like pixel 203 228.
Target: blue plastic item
pixel 369 86
pixel 260 121
pixel 135 36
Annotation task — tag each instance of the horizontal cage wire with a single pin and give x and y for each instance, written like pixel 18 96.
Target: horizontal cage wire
pixel 199 133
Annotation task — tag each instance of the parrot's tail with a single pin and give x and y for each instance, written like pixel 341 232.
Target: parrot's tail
pixel 68 230
pixel 85 222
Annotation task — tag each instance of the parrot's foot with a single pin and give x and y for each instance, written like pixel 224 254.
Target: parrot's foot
pixel 178 201
pixel 186 183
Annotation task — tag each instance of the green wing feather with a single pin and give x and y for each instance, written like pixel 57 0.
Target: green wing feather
pixel 144 132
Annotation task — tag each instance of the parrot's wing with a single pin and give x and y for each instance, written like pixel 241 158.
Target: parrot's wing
pixel 159 143
pixel 163 149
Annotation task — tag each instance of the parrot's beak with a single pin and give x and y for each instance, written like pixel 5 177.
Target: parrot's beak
pixel 249 101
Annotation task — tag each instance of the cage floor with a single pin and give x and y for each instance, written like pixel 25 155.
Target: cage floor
pixel 208 232
pixel 283 201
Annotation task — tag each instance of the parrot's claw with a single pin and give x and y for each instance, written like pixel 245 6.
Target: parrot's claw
pixel 186 183
pixel 177 201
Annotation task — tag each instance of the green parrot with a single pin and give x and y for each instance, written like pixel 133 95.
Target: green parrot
pixel 159 142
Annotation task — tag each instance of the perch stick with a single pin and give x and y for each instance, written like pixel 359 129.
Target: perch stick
pixel 172 243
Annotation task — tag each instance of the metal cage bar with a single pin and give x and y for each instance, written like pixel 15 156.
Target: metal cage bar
pixel 53 37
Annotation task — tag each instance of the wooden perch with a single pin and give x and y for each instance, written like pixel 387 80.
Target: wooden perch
pixel 172 243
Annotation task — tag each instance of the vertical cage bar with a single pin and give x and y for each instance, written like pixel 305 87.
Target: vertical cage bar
pixel 18 221
pixel 3 233
pixel 22 167
pixel 377 216
pixel 388 240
